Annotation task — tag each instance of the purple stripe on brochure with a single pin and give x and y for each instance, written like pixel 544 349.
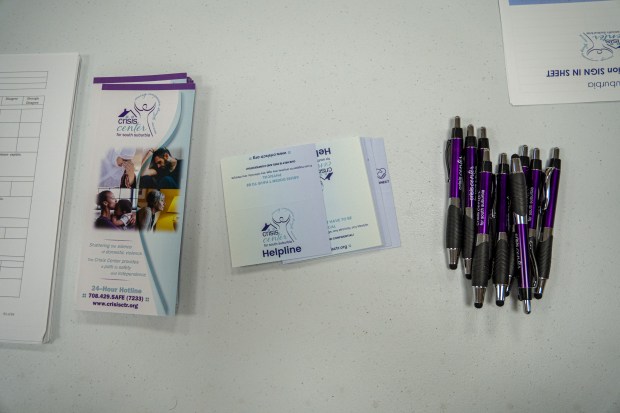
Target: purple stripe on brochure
pixel 144 78
pixel 147 86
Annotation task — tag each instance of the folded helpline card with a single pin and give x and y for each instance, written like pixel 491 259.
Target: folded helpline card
pixel 274 206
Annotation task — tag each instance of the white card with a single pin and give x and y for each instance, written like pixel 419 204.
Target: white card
pixel 351 214
pixel 274 206
pixel 382 186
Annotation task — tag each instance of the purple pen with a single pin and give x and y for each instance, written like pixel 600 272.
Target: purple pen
pixel 549 205
pixel 481 268
pixel 535 182
pixel 501 269
pixel 518 196
pixel 483 144
pixel 469 183
pixel 454 226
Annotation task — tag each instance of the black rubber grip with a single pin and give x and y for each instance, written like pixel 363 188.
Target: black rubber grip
pixel 454 228
pixel 492 235
pixel 518 193
pixel 501 268
pixel 469 238
pixel 481 266
pixel 525 294
pixel 543 257
pixel 512 255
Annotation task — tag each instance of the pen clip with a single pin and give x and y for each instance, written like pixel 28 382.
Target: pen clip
pixel 546 194
pixel 533 264
pixel 448 158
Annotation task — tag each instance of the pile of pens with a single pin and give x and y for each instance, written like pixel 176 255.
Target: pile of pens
pixel 501 223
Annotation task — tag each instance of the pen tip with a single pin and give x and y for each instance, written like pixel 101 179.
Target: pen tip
pixel 457 121
pixel 467 267
pixel 453 266
pixel 538 296
pixel 499 303
pixel 523 150
pixel 478 305
pixel 483 132
pixel 555 153
pixel 470 130
pixel 503 158
pixel 535 153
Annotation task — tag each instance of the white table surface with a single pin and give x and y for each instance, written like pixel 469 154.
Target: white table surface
pixel 389 331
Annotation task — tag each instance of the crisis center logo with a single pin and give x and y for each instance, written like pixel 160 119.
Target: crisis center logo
pixel 139 121
pixel 600 46
pixel 279 232
pixel 280 229
pixel 325 164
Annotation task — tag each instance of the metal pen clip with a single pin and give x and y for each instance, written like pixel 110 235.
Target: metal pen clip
pixel 448 158
pixel 534 265
pixel 546 195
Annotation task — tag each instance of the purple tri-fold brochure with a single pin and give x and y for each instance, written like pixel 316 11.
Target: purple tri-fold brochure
pixel 174 77
pixel 132 221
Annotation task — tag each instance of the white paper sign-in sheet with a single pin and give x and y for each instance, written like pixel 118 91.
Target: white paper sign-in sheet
pixel 561 51
pixel 274 206
pixel 36 104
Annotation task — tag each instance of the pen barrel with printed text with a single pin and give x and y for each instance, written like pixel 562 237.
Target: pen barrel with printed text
pixel 523 260
pixel 536 179
pixel 501 257
pixel 454 226
pixel 484 199
pixel 481 267
pixel 518 196
pixel 469 218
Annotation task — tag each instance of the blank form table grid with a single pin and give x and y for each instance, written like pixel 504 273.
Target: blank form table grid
pixel 20 128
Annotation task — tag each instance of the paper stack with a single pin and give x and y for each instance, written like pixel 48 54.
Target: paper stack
pixel 134 222
pixel 309 201
pixel 37 94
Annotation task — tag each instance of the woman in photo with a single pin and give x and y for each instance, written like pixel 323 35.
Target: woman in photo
pixel 118 169
pixel 147 218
